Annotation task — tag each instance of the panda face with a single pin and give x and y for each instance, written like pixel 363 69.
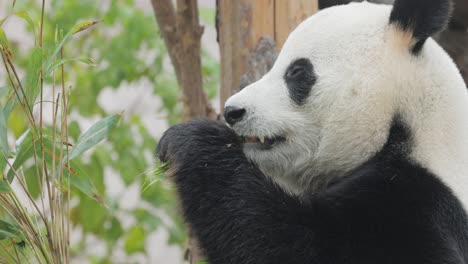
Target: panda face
pixel 327 104
pixel 301 117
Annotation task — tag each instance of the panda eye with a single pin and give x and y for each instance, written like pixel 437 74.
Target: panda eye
pixel 295 71
pixel 299 78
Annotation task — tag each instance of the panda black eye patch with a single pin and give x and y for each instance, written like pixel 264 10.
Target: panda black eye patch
pixel 300 77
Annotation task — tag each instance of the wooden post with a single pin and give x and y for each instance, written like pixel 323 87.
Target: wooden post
pixel 242 23
pixel 288 14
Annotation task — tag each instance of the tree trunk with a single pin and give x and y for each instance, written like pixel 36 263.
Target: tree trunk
pixel 182 35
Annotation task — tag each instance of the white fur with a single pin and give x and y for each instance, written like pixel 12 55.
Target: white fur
pixel 366 75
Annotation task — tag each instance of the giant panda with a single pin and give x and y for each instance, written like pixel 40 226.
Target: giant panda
pixel 352 149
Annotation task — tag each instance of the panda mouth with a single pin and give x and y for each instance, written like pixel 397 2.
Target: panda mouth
pixel 262 142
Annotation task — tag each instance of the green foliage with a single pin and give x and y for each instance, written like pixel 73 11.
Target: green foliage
pixel 4 187
pixel 135 240
pixel 123 48
pixel 94 135
pixel 32 76
pixel 10 231
pixel 41 236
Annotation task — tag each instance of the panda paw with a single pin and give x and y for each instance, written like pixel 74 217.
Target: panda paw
pixel 194 139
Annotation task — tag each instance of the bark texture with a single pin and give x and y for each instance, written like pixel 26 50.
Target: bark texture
pixel 260 61
pixel 182 33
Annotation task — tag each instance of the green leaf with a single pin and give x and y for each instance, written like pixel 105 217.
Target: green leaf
pixel 9 231
pixel 21 139
pixel 4 45
pixel 9 106
pixel 202 262
pixel 156 176
pixel 93 136
pixel 83 26
pixel 135 240
pixel 33 180
pixel 4 187
pixel 75 29
pixel 78 178
pixel 3 135
pixel 25 151
pixel 32 76
pixel 60 62
pixel 24 15
pixel 90 215
pixel 83 182
pixel 2 164
pixel 4 113
pixel 114 231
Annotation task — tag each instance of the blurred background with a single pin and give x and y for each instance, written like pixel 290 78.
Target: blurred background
pixel 131 74
pixel 129 66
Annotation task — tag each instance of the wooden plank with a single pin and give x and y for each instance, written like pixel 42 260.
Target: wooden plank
pixel 288 14
pixel 263 24
pixel 241 23
pixel 230 43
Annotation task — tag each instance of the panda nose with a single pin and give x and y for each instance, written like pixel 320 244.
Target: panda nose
pixel 233 114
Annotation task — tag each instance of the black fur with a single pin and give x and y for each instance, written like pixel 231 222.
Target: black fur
pixel 300 77
pixel 389 210
pixel 423 18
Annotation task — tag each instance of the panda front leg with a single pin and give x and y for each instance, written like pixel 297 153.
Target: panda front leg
pixel 238 215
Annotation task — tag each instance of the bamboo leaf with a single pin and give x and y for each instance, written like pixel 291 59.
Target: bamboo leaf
pixel 86 186
pixel 21 139
pixel 9 231
pixel 3 129
pixel 80 180
pixel 60 62
pixel 98 132
pixel 11 102
pixel 2 163
pixel 3 135
pixel 93 136
pixel 83 26
pixel 34 181
pixel 25 151
pixel 4 114
pixel 4 187
pixel 77 28
pixel 32 75
pixel 4 45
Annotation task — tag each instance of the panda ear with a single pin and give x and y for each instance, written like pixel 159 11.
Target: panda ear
pixel 420 19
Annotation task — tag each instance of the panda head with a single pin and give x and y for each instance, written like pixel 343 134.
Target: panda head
pixel 340 79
